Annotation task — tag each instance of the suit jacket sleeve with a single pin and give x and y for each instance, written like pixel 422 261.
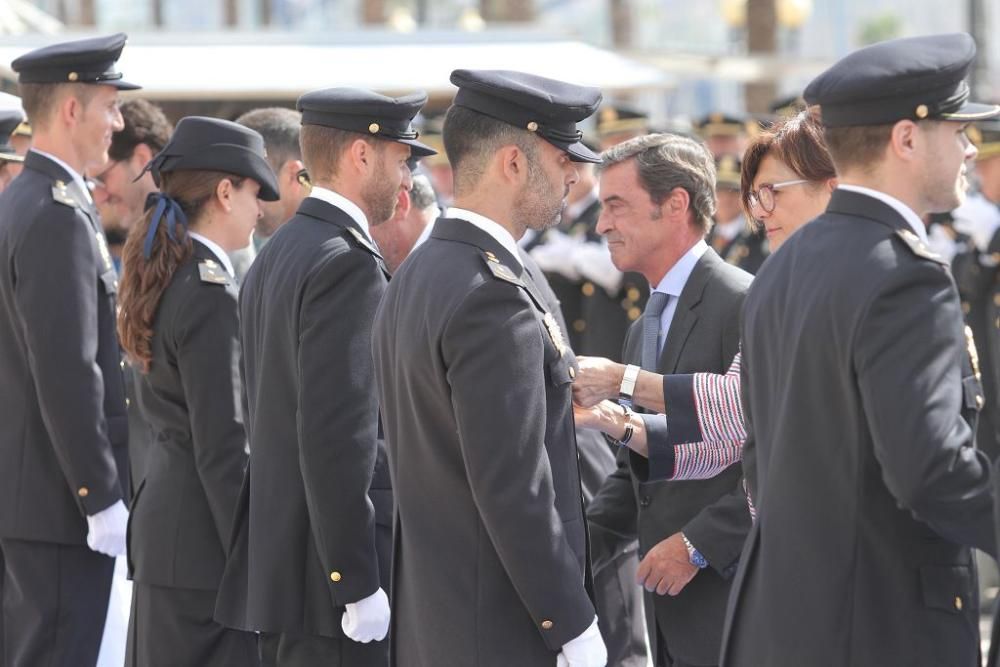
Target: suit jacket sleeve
pixel 499 402
pixel 208 361
pixel 338 417
pixel 58 300
pixel 911 336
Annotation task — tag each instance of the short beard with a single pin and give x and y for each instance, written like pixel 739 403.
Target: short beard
pixel 379 194
pixel 538 208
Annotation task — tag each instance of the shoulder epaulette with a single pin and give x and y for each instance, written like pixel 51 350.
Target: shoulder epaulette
pixel 210 272
pixel 60 194
pixel 919 248
pixel 364 242
pixel 500 270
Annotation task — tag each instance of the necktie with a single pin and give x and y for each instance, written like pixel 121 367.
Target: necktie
pixel 651 330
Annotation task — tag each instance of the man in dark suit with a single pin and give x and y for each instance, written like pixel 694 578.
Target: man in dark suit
pixel 309 562
pixel 861 394
pixel 64 434
pixel 490 562
pixel 658 193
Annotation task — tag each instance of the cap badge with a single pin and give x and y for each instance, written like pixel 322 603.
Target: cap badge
pixel 374 128
pixel 532 126
pixel 72 76
pixel 922 111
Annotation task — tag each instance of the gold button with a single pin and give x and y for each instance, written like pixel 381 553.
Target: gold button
pixel 546 625
pixel 958 603
pixel 532 126
pixel 965 307
pixel 83 492
pixel 127 402
pixel 373 128
pixel 335 576
pixel 632 294
pixel 122 364
pixel 587 289
pixel 572 372
pixel 73 76
pixel 980 401
pixel 579 325
pixel 634 313
pixel 922 111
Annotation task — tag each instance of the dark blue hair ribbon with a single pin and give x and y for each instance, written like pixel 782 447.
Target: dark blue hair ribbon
pixel 165 207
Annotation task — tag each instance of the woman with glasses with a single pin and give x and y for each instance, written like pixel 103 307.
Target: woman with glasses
pixel 698 429
pixel 178 323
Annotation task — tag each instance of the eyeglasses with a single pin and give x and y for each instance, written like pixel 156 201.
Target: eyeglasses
pixel 763 197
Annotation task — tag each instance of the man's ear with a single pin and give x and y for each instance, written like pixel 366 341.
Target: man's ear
pixel 513 163
pixel 906 140
pixel 289 173
pixel 361 155
pixel 677 202
pixel 141 156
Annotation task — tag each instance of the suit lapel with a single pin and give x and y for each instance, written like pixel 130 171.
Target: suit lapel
pixel 686 314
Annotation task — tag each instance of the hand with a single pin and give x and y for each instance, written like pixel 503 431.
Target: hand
pixel 587 650
pixel 606 416
pixel 597 379
pixel 367 620
pixel 666 569
pixel 106 530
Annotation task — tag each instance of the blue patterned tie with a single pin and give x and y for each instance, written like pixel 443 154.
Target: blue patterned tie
pixel 651 330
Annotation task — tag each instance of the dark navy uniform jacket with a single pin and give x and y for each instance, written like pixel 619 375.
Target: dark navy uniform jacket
pixel 182 512
pixel 64 430
pixel 490 557
pixel 306 538
pixel 869 489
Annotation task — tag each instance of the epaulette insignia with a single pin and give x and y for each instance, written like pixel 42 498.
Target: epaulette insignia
pixel 500 270
pixel 918 247
pixel 102 246
pixel 970 344
pixel 60 193
pixel 555 333
pixel 211 272
pixel 364 242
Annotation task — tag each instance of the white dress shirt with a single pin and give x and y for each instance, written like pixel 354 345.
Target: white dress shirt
pixel 77 178
pixel 494 229
pixel 217 250
pixel 673 284
pixel 345 205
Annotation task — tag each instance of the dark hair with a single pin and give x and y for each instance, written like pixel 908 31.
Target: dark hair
pixel 145 123
pixel 798 142
pixel 39 99
pixel 669 161
pixel 862 146
pixel 144 280
pixel 280 128
pixel 322 146
pixel 471 139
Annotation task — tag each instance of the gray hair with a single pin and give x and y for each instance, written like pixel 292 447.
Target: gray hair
pixel 280 129
pixel 668 161
pixel 422 193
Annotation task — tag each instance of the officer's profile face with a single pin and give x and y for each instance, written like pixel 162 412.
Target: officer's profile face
pixel 792 205
pixel 943 164
pixel 242 213
pixel 99 117
pixel 381 188
pixel 119 197
pixel 630 220
pixel 551 175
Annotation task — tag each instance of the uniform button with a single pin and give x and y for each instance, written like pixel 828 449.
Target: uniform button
pixel 546 625
pixel 122 364
pixel 644 501
pixel 579 325
pixel 980 401
pixel 335 576
pixel 83 492
pixel 587 289
pixel 572 372
pixel 634 313
pixel 965 307
pixel 127 402
pixel 632 294
pixel 958 603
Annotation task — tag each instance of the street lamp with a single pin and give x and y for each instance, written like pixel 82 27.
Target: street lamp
pixel 792 15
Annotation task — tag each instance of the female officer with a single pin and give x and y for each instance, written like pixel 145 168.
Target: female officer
pixel 178 325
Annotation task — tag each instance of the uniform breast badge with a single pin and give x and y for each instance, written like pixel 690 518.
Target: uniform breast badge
pixel 555 333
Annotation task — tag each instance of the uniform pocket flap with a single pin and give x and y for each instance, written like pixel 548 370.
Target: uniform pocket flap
pixel 947 587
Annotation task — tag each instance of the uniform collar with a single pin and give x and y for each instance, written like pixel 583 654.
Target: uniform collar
pixel 912 219
pixel 216 250
pixel 77 178
pixel 494 229
pixel 344 204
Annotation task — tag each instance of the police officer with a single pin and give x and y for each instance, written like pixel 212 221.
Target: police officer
pixel 724 133
pixel 860 393
pixel 474 377
pixel 62 515
pixel 179 325
pixel 10 160
pixel 309 568
pixel 731 236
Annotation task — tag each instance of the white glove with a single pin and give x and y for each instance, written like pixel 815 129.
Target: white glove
pixel 587 650
pixel 106 530
pixel 367 620
pixel 556 255
pixel 593 261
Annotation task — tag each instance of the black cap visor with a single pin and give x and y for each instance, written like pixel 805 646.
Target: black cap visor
pixel 972 111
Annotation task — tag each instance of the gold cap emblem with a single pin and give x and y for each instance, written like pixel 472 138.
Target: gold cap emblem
pixel 532 126
pixel 374 128
pixel 72 76
pixel 922 111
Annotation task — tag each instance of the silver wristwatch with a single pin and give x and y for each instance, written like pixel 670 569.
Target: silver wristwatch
pixel 628 385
